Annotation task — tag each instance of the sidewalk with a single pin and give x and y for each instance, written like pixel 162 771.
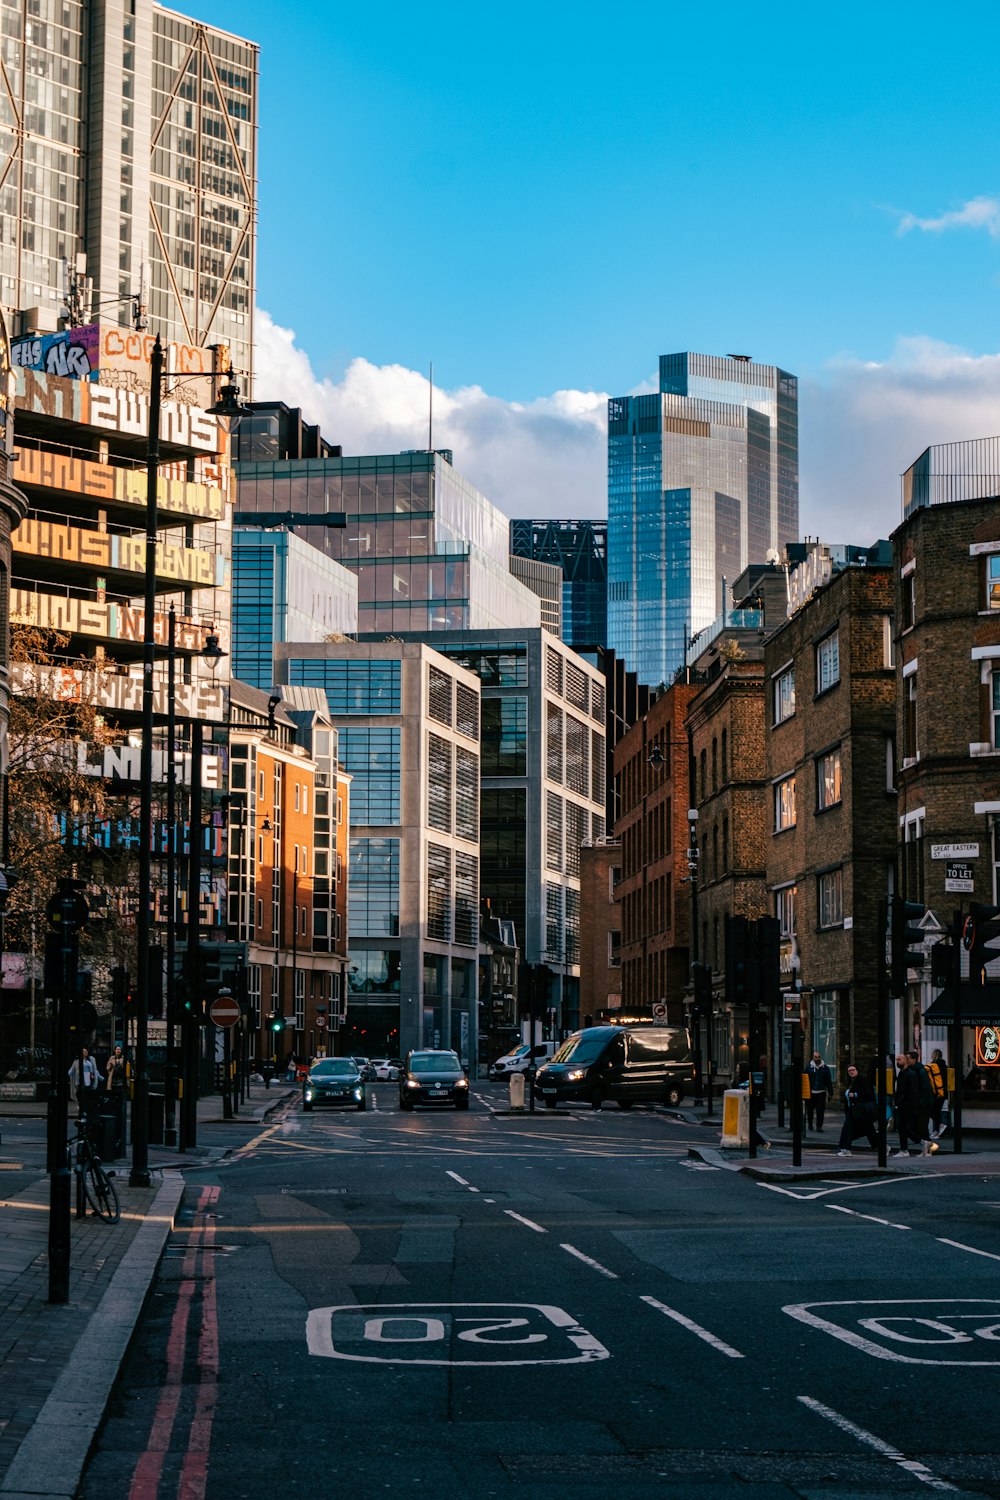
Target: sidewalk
pixel 58 1364
pixel 980 1150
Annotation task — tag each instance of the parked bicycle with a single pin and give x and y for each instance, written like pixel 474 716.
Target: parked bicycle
pixel 98 1187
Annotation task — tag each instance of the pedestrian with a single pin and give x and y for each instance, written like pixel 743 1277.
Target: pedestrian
pixel 820 1085
pixel 924 1103
pixel 115 1072
pixel 937 1072
pixel 904 1106
pixel 86 1083
pixel 859 1112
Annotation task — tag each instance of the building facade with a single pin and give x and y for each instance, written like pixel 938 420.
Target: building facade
pixel 702 480
pixel 600 932
pixel 284 590
pixel 580 551
pixel 158 193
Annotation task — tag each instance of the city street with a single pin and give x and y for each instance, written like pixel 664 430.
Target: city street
pixel 558 1305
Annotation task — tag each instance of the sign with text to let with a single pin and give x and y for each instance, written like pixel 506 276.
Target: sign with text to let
pixel 451 1333
pixel 959 877
pixel 912 1330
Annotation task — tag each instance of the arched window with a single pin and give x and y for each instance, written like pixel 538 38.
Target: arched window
pixel 725 757
pixel 715 764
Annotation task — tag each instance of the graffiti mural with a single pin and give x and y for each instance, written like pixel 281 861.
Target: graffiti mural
pixel 73 354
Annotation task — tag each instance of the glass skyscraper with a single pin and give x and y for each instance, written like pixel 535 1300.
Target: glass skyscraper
pixel 703 479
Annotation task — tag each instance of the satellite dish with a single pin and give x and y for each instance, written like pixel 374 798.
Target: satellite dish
pixel 771 556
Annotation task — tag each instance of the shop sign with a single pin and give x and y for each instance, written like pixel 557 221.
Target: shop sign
pixel 987 1046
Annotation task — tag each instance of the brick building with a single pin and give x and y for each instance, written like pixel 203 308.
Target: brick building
pixel 651 778
pixel 946 558
pixel 831 798
pixel 600 930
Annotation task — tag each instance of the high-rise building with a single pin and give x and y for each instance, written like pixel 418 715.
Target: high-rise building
pixel 702 480
pixel 580 550
pixel 128 150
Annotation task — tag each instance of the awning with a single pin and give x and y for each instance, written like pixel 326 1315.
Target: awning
pixel 979 1005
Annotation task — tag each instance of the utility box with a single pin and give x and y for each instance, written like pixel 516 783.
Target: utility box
pixel 735 1118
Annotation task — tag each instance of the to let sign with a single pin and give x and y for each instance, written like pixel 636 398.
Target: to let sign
pixel 958 876
pixel 225 1011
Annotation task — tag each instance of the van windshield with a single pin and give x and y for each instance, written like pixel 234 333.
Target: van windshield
pixel 582 1047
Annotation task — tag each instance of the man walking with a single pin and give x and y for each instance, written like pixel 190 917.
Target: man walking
pixel 904 1105
pixel 86 1083
pixel 924 1103
pixel 820 1085
pixel 937 1072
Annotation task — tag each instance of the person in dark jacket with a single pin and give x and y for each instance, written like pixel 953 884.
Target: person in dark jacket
pixel 859 1112
pixel 904 1105
pixel 924 1103
pixel 820 1086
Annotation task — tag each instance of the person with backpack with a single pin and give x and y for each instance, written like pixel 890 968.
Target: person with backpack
pixel 937 1072
pixel 924 1103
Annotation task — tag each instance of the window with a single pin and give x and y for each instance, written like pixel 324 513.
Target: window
pixel 828 662
pixel 993 581
pixel 995 710
pixel 297 797
pixel 784 695
pixel 828 791
pixel 725 846
pixel 890 763
pixel 725 757
pixel 910 717
pixel 784 804
pixel 888 644
pixel 913 857
pixel 305 799
pixel 908 599
pixel 784 909
pixel 831 898
pixel 614 948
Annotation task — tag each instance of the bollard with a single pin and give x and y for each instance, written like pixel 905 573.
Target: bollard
pixel 516 1087
pixel 735 1118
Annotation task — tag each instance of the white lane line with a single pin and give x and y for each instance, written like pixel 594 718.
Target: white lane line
pixel 595 1265
pixel 527 1222
pixel 839 1208
pixel 970 1248
pixel 455 1178
pixel 919 1471
pixel 696 1328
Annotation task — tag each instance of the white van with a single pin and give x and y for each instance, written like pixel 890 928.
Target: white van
pixel 517 1061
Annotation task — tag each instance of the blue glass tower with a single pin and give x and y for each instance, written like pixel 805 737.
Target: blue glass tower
pixel 703 478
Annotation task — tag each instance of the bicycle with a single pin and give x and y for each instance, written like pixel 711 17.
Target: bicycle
pixel 100 1191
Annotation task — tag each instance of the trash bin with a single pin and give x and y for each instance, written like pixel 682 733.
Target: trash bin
pixel 157 1105
pixel 106 1131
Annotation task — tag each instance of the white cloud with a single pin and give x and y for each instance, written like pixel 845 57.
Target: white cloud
pixel 978 213
pixel 861 424
pixel 544 457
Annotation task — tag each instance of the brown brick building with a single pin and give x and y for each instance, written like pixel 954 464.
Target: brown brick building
pixel 651 785
pixel 830 799
pixel 947 581
pixel 600 930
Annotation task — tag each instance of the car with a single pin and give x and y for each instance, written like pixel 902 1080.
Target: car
pixel 386 1071
pixel 365 1069
pixel 520 1059
pixel 334 1080
pixel 433 1077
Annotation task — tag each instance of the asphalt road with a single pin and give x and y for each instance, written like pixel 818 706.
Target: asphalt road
pixel 564 1306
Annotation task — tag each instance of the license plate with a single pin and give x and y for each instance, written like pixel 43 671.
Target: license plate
pixel 548 1091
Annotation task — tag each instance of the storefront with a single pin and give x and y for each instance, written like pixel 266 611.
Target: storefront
pixel 976 1068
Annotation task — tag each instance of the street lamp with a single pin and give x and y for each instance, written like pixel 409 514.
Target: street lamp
pixel 227 407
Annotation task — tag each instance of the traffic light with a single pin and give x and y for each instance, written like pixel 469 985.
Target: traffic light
pixel 119 989
pixel 985 931
pixel 276 1021
pixel 736 960
pixel 768 933
pixel 905 942
pixel 701 975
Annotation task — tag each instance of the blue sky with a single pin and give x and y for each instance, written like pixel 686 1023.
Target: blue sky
pixel 544 199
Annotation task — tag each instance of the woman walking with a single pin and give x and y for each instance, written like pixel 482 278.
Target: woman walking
pixel 859 1112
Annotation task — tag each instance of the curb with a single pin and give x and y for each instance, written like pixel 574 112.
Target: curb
pixel 776 1172
pixel 50 1461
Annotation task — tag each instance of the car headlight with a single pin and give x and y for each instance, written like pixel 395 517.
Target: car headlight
pixel 575 1076
pixel 462 1083
pixel 411 1083
pixel 357 1093
pixel 309 1094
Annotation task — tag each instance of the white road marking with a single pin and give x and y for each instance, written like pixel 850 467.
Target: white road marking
pixel 970 1248
pixel 919 1471
pixel 806 1195
pixel 456 1333
pixel 840 1209
pixel 698 1166
pixel 527 1222
pixel 703 1333
pixel 595 1265
pixel 934 1317
pixel 455 1177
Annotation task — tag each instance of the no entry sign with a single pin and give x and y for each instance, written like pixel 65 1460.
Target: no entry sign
pixel 225 1011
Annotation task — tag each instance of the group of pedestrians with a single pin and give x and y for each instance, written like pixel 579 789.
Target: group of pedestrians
pixel 918 1103
pixel 89 1084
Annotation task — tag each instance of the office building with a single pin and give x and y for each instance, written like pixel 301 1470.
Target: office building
pixel 284 590
pixel 131 136
pixel 545 580
pixel 580 550
pixel 702 480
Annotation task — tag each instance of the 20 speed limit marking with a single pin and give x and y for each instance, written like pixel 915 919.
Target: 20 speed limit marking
pixel 451 1333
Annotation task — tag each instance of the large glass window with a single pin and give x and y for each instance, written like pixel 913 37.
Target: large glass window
pixel 831 898
pixel 828 790
pixel 374 886
pixel 374 971
pixel 784 804
pixel 784 695
pixel 352 687
pixel 502 839
pixel 504 736
pixel 495 666
pixel 372 758
pixel 828 662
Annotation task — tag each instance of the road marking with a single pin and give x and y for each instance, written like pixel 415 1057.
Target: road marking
pixel 698 1166
pixel 928 1323
pixel 696 1328
pixel 527 1222
pixel 444 1333
pixel 595 1265
pixel 970 1248
pixel 840 1209
pixel 455 1178
pixel 918 1470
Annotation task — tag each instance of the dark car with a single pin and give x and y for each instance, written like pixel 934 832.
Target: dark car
pixel 630 1065
pixel 433 1078
pixel 365 1069
pixel 334 1080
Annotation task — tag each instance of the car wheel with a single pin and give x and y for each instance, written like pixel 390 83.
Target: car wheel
pixel 674 1095
pixel 306 1108
pixel 362 1103
pixel 625 1103
pixel 550 1104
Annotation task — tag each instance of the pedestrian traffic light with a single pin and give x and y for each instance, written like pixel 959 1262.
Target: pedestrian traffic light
pixel 905 942
pixel 985 932
pixel 701 975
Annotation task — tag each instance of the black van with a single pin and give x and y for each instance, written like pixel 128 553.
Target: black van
pixel 624 1063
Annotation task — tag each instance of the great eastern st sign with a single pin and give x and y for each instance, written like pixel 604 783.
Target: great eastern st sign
pixel 954 851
